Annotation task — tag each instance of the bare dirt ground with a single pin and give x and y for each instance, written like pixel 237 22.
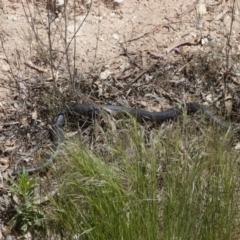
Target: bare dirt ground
pixel 144 54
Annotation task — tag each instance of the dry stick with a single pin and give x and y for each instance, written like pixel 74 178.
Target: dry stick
pixel 50 49
pixel 71 72
pixel 214 4
pixel 141 35
pixel 31 23
pixel 196 41
pixel 18 85
pixel 39 13
pixel 10 66
pixel 65 42
pixel 6 56
pixel 74 35
pixel 98 34
pixel 126 53
pixel 138 76
pixel 67 45
pixel 31 65
pixel 37 36
pixel 228 46
pixel 40 43
pixel 74 47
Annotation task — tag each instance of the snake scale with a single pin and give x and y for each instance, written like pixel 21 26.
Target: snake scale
pixel 92 110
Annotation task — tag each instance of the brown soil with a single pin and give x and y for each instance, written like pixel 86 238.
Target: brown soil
pixel 143 54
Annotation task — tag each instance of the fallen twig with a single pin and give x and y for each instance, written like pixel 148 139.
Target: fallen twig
pixel 181 43
pixel 32 65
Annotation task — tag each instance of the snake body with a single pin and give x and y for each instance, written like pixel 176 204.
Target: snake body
pixel 92 110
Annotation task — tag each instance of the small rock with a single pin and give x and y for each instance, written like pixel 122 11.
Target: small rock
pixel 201 9
pixel 204 41
pixel 5 67
pixel 12 17
pixel 104 75
pixel 115 36
pixel 4 92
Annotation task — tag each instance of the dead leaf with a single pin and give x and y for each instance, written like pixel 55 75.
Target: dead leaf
pixel 236 80
pixel 228 103
pixel 96 129
pixel 2 187
pixel 104 75
pixel 4 161
pixel 34 115
pixel 15 198
pixel 201 8
pixel 10 149
pixel 6 229
pixel 3 168
pixel 221 15
pixel 24 121
pixel 5 67
pixel 4 92
pixel 113 125
pixel 23 87
pixel 237 146
pixel 4 164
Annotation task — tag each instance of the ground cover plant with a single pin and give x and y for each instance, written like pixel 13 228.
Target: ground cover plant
pixel 26 215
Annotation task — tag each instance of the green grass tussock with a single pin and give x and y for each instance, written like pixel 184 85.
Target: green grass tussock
pixel 201 190
pixel 107 201
pixel 177 184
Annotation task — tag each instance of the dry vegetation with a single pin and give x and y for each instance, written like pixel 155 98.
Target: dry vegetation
pixel 118 53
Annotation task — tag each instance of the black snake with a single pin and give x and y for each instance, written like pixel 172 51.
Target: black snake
pixel 141 115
